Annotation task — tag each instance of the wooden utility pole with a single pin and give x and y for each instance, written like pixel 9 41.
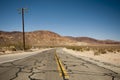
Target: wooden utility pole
pixel 22 11
pixel 23 28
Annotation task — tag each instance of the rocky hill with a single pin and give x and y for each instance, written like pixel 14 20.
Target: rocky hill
pixel 47 38
pixel 36 38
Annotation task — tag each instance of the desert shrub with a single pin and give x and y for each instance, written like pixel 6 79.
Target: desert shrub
pixel 110 50
pixel 99 51
pixel 87 49
pixel 12 48
pixel 19 46
pixel 118 50
pixel 96 52
pixel 28 47
pixel 72 47
pixel 76 48
pixel 81 50
pixel 102 51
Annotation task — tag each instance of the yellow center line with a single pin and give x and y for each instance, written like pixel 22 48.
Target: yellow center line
pixel 61 68
pixel 58 67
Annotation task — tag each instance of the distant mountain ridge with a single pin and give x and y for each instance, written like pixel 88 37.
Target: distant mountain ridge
pixel 92 40
pixel 47 38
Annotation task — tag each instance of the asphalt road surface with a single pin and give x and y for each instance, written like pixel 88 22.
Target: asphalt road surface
pixel 44 66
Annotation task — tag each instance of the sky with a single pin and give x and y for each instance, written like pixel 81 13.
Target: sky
pixel 99 19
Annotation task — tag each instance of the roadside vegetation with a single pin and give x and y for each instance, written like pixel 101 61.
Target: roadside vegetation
pixel 96 49
pixel 13 47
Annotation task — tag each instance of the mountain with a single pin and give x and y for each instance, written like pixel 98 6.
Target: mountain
pixel 36 38
pixel 92 40
pixel 47 38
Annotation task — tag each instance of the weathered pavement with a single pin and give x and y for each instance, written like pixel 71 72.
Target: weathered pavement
pixel 38 67
pixel 43 66
pixel 79 69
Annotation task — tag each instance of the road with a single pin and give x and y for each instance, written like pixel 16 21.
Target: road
pixel 45 66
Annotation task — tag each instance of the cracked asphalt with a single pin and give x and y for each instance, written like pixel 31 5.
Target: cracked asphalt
pixel 37 67
pixel 79 69
pixel 43 66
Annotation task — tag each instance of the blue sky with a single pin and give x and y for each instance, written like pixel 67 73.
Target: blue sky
pixel 98 19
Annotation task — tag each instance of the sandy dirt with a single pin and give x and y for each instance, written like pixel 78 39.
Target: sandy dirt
pixel 18 55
